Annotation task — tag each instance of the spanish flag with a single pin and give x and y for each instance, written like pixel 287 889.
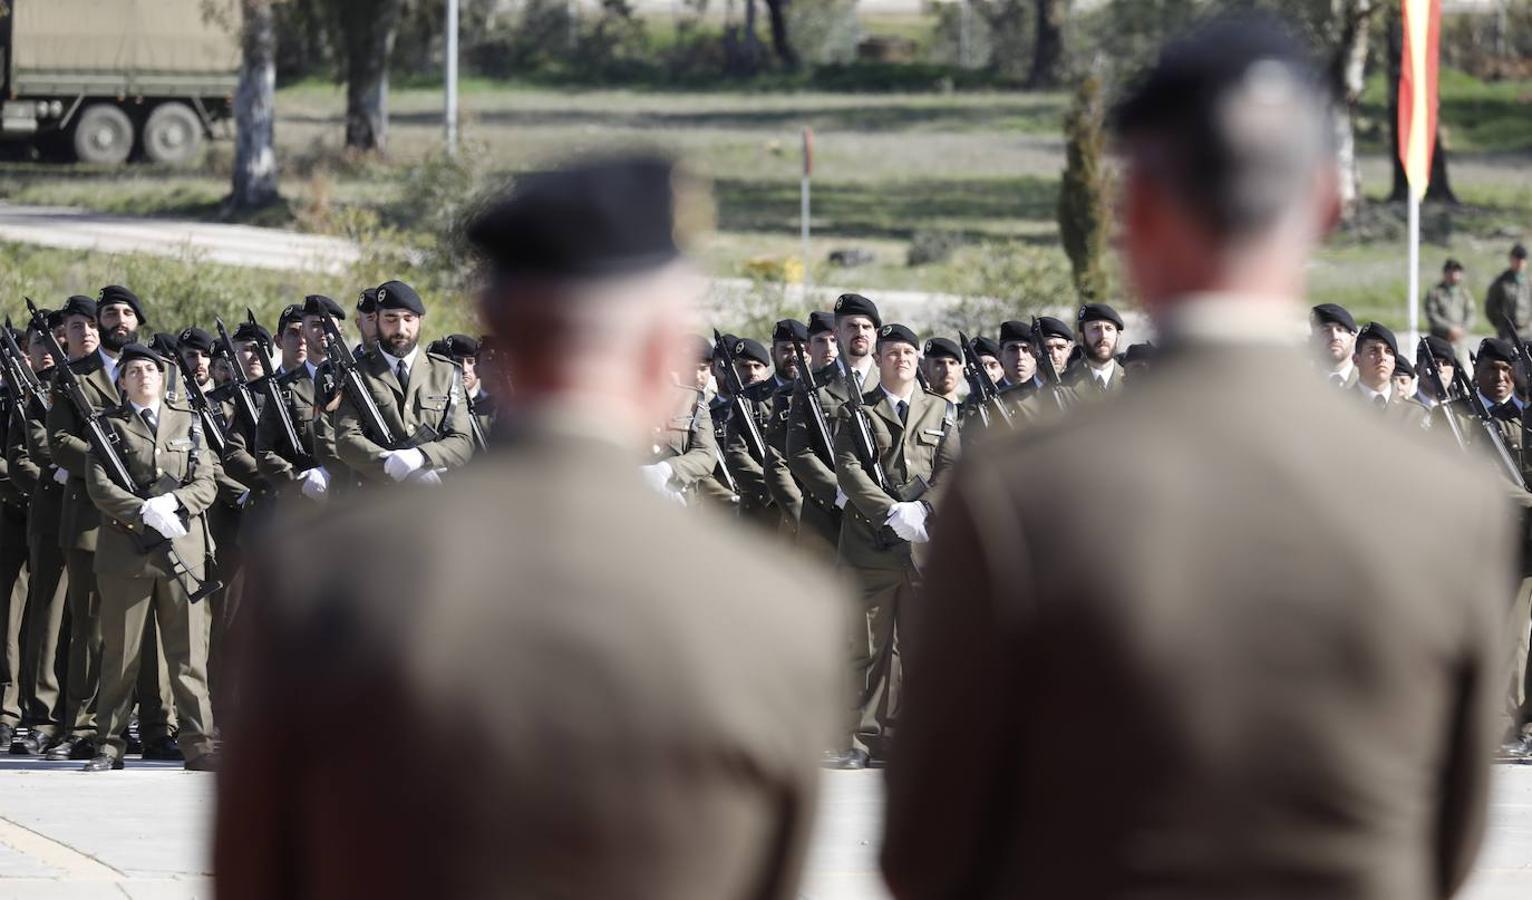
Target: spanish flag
pixel 1417 90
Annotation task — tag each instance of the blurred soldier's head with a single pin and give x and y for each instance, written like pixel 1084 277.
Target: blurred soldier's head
pixel 1230 178
pixel 1016 352
pixel 1518 258
pixel 1452 272
pixel 586 263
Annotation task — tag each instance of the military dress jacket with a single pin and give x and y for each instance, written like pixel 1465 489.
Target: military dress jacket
pixel 819 519
pixel 316 433
pixel 756 502
pixel 925 445
pixel 1450 306
pixel 433 398
pixel 636 734
pixel 172 459
pixel 31 468
pixel 780 482
pixel 78 518
pixel 686 443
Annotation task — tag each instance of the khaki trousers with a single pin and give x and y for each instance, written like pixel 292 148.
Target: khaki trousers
pixel 45 657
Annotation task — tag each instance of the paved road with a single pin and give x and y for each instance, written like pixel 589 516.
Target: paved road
pixel 141 833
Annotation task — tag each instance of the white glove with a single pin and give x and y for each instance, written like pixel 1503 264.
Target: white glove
pixel 61 475
pixel 840 499
pixel 908 520
pixel 316 483
pixel 677 496
pixel 426 476
pixel 167 524
pixel 165 505
pixel 658 477
pixel 399 464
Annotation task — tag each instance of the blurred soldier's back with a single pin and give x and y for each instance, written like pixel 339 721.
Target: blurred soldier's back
pixel 1200 643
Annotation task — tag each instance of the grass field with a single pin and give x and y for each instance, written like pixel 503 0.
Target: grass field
pixel 975 169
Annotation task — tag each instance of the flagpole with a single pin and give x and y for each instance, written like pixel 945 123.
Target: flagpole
pixel 1414 279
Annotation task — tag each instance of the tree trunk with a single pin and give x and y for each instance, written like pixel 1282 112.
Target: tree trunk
pixel 1048 51
pixel 255 159
pixel 1348 72
pixel 781 41
pixel 368 28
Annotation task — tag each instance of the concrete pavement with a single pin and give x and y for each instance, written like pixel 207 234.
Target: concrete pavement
pixel 142 834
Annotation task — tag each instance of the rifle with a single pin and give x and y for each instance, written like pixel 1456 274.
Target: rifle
pixel 985 395
pixel 351 384
pixel 819 428
pixel 103 444
pixel 739 407
pixel 475 430
pixel 271 385
pixel 18 374
pixel 1426 362
pixel 213 425
pixel 1051 380
pixel 867 453
pixel 1491 430
pixel 239 384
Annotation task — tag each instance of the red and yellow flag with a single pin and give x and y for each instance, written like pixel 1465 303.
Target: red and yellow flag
pixel 1417 90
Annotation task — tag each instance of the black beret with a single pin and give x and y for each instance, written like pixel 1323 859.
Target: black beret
pixel 1051 327
pixel 163 343
pixel 79 306
pixel 251 331
pixel 1013 331
pixel 597 218
pixel 1333 312
pixel 1497 350
pixel 985 346
pixel 134 351
pixel 1375 332
pixel 319 304
pixel 1094 312
pixel 195 339
pixel 1452 265
pixel 455 346
pixel 1140 353
pixel 1441 349
pixel 52 319
pixel 702 349
pixel 291 313
pixel 857 305
pixel 1519 251
pixel 940 346
pixel 897 334
pixel 398 295
pixel 1402 367
pixel 116 293
pixel 820 322
pixel 367 301
pixel 790 330
pixel 749 348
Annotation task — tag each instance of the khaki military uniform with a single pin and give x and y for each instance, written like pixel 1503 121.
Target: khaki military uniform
pixel 785 491
pixel 756 502
pixel 1406 411
pixel 1086 385
pixel 687 444
pixel 644 728
pixel 923 445
pixel 1508 305
pixel 433 398
pixel 316 435
pixel 137 586
pixel 1450 306
pixel 45 656
pixel 79 522
pixel 819 519
pixel 13 570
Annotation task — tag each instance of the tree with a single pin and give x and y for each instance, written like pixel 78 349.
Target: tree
pixel 781 38
pixel 366 29
pixel 255 159
pixel 1048 45
pixel 1084 214
pixel 1349 25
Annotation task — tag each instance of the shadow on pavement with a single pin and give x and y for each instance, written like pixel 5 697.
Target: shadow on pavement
pixel 36 764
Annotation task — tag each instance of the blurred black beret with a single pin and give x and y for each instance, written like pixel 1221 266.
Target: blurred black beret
pixel 1052 327
pixel 1452 265
pixel 455 346
pixel 1013 331
pixel 194 339
pixel 1093 312
pixel 1334 312
pixel 703 349
pixel 52 319
pixel 1519 251
pixel 291 313
pixel 398 295
pixel 749 348
pixel 1140 353
pixel 164 344
pixel 1402 367
pixel 820 322
pixel 116 293
pixel 1441 349
pixel 790 330
pixel 319 305
pixel 604 217
pixel 857 305
pixel 897 334
pixel 252 331
pixel 1497 350
pixel 367 301
pixel 79 306
pixel 985 346
pixel 940 346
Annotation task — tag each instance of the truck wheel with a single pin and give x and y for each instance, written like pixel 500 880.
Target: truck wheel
pixel 103 133
pixel 172 135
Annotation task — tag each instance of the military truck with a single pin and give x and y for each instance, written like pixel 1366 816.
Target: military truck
pixel 109 80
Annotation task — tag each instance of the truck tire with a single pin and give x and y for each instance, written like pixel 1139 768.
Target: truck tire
pixel 102 133
pixel 173 134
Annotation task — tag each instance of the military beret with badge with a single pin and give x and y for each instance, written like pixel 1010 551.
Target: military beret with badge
pixel 897 334
pixel 117 294
pixel 943 347
pixel 857 305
